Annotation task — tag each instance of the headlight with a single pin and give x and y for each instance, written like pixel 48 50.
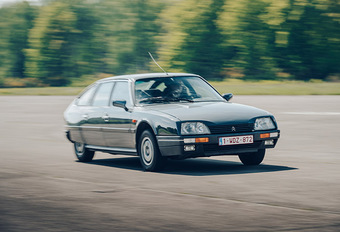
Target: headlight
pixel 194 128
pixel 264 124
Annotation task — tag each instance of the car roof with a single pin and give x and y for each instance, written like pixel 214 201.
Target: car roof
pixel 146 75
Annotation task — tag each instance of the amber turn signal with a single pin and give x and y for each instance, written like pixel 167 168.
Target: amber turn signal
pixel 266 135
pixel 202 140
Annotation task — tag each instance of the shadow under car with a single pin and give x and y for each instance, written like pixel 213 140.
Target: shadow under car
pixel 194 167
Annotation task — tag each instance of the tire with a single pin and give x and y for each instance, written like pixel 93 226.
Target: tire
pixel 83 154
pixel 148 152
pixel 253 158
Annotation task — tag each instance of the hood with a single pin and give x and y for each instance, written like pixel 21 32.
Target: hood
pixel 215 112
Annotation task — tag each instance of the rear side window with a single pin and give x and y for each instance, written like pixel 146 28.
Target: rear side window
pixel 103 94
pixel 85 98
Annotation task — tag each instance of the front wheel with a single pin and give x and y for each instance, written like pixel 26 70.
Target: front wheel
pixel 83 154
pixel 252 158
pixel 149 154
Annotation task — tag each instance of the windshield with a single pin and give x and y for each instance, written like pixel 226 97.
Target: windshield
pixel 174 89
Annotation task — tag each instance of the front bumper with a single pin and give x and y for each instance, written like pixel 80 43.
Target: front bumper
pixel 177 145
pixel 67 133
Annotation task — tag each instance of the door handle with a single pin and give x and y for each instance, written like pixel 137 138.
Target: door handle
pixel 106 117
pixel 85 116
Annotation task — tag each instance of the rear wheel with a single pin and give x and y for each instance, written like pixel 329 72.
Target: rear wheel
pixel 149 154
pixel 83 154
pixel 253 158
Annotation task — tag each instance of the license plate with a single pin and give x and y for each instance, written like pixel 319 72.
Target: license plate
pixel 245 139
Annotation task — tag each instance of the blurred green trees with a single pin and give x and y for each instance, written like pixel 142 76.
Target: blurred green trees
pixel 248 32
pixel 312 31
pixel 193 41
pixel 130 29
pixel 49 56
pixel 15 23
pixel 63 43
pixel 60 40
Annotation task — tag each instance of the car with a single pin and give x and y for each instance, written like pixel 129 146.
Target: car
pixel 160 116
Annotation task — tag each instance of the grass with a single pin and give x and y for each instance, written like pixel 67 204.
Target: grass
pixel 237 87
pixel 46 91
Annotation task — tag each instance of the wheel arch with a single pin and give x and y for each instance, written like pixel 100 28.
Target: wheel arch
pixel 142 126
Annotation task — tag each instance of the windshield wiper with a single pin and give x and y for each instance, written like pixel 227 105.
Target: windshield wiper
pixel 161 99
pixel 181 99
pixel 152 100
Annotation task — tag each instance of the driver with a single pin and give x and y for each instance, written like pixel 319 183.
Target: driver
pixel 173 90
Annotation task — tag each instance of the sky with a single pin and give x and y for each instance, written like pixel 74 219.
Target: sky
pixel 12 1
pixel 6 1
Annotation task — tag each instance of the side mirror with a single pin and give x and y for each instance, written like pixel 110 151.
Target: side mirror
pixel 121 104
pixel 227 96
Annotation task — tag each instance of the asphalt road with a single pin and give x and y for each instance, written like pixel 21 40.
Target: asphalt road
pixel 43 187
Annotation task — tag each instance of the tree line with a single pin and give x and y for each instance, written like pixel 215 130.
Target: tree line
pixel 58 41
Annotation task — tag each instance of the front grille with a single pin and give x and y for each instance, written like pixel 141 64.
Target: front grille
pixel 227 129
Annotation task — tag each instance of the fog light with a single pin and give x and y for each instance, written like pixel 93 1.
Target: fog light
pixel 269 142
pixel 189 148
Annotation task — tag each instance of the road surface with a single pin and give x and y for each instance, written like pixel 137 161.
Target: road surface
pixel 43 187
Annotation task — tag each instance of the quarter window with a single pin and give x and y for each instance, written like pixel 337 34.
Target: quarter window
pixel 86 97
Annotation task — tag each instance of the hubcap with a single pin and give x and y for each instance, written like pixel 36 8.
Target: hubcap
pixel 147 150
pixel 80 147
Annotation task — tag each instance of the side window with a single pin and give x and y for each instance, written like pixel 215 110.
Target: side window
pixel 86 97
pixel 121 91
pixel 161 86
pixel 103 94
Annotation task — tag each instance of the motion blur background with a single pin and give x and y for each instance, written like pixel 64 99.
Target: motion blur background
pixel 60 42
pixel 243 46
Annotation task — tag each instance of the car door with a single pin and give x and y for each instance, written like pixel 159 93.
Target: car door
pixel 95 115
pixel 117 132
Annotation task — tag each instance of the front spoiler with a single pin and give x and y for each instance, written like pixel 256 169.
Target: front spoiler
pixel 68 136
pixel 174 145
